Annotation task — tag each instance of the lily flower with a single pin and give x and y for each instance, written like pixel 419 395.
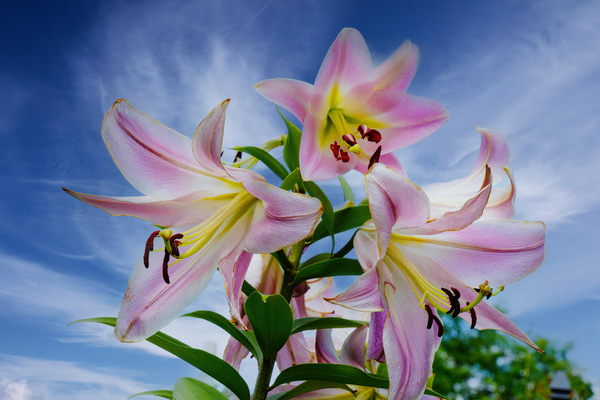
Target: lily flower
pixel 352 109
pixel 208 215
pixel 416 266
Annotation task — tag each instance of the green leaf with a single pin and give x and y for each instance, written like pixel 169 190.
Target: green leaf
pixel 293 178
pixel 327 222
pixel 204 361
pixel 338 373
pixel 266 158
pixel 291 148
pixel 306 387
pixel 193 389
pixel 344 220
pixel 434 393
pixel 271 319
pixel 247 288
pixel 382 370
pixel 167 394
pixel 306 324
pixel 331 267
pixel 315 259
pixel 225 324
pixel 348 195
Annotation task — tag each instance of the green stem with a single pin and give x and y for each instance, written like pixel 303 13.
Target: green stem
pixel 290 267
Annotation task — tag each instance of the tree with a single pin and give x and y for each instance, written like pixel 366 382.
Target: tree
pixel 473 364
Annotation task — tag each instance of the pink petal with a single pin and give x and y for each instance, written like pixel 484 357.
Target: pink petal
pixel 233 268
pixel 388 159
pixel 347 65
pixel 394 202
pixel 186 211
pixel 401 118
pixel 150 304
pixel 366 250
pixel 490 318
pixel 499 251
pixel 362 295
pixel 409 345
pixel 398 70
pixel 459 219
pixel 375 345
pixel 501 204
pixel 353 349
pixel 493 152
pixel 324 347
pixel 235 352
pixel 207 141
pixel 244 175
pixel 156 160
pixel 317 161
pixel 291 94
pixel 294 352
pixel 280 219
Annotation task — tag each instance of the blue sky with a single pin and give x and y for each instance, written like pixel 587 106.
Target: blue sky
pixel 528 69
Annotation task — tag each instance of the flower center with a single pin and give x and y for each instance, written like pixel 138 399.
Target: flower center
pixel 185 244
pixel 348 137
pixel 443 299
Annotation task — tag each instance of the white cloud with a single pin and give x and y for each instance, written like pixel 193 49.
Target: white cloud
pixel 36 379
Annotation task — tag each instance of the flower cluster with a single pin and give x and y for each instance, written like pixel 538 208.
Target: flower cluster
pixel 444 248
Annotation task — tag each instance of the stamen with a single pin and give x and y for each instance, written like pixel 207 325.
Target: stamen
pixel 375 157
pixel 350 139
pixel 473 317
pixel 165 268
pixel 454 304
pixel 173 241
pixel 338 153
pixel 238 156
pixel 432 318
pixel 371 135
pixel 149 248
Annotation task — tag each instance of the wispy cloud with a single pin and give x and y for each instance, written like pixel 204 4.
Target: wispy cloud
pixel 35 379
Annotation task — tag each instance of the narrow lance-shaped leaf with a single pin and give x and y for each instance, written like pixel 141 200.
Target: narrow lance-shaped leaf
pixel 166 394
pixel 344 220
pixel 332 267
pixel 338 373
pixel 306 387
pixel 266 158
pixel 328 216
pixel 271 320
pixel 311 323
pixel 348 195
pixel 204 361
pixel 293 178
pixel 193 389
pixel 291 148
pixel 225 324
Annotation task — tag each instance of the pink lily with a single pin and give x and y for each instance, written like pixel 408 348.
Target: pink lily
pixel 352 109
pixel 450 196
pixel 219 215
pixel 415 266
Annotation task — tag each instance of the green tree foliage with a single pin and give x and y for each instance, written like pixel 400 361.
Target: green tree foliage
pixel 472 364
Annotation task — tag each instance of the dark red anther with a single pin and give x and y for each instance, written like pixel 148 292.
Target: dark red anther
pixel 473 317
pixel 456 293
pixel 371 135
pixel 149 248
pixel 173 241
pixel 165 269
pixel 433 317
pixel 350 139
pixel 489 295
pixel 375 157
pixel 238 155
pixel 454 304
